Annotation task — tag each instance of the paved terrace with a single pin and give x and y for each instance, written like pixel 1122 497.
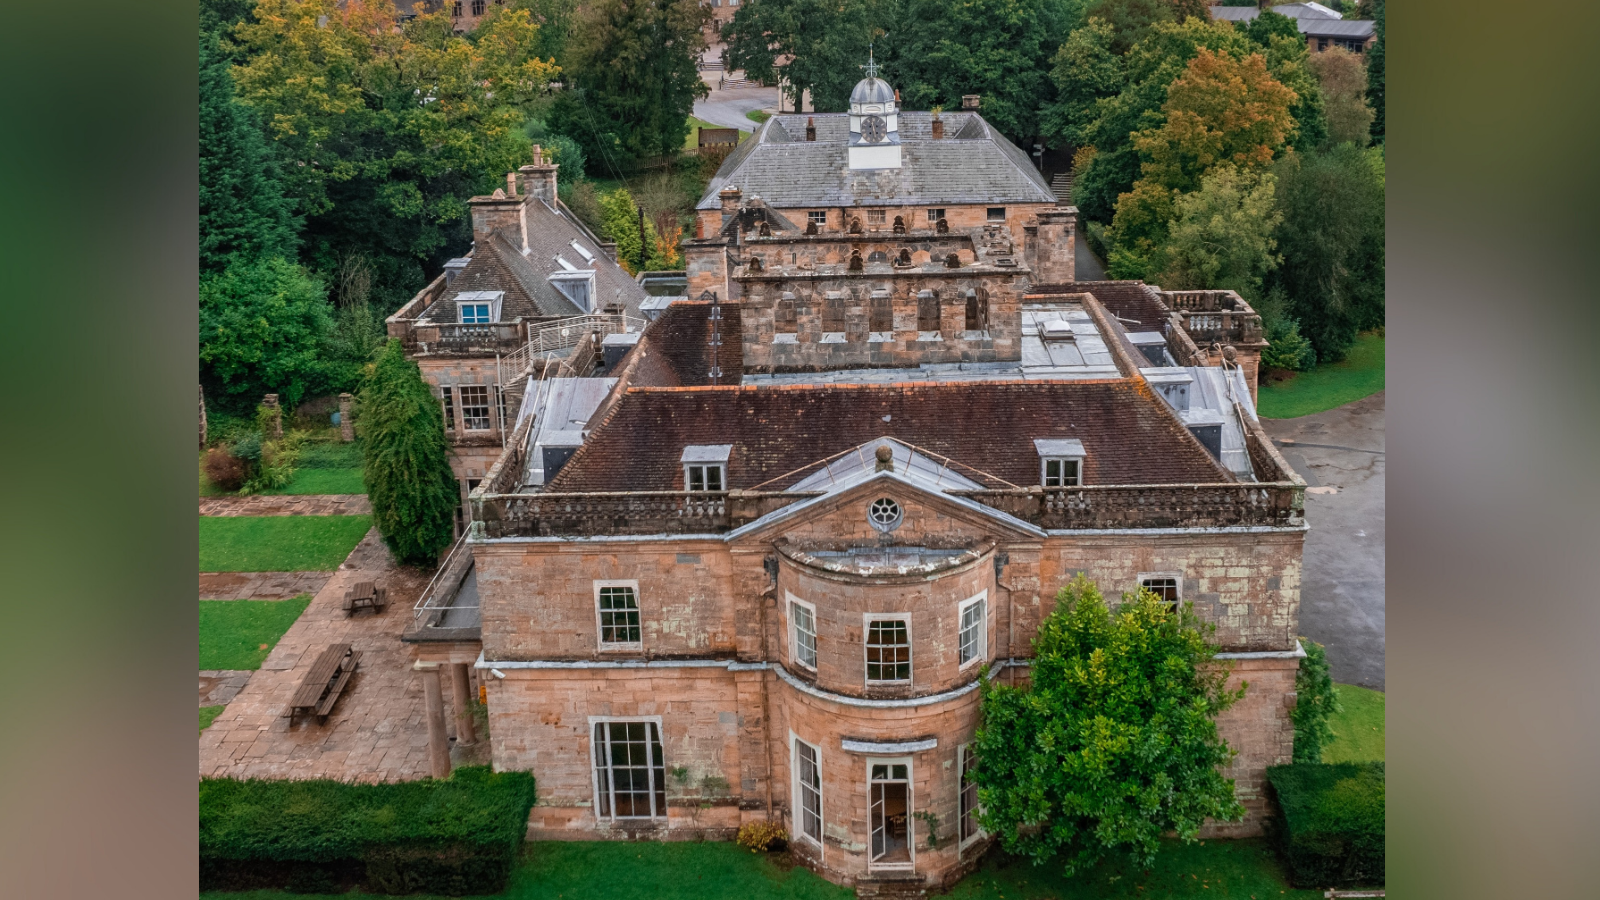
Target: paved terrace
pixel 375 733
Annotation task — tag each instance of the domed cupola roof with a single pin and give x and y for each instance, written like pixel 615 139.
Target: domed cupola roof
pixel 872 90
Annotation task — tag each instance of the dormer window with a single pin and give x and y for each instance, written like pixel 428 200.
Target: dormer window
pixel 705 467
pixel 576 285
pixel 478 307
pixel 1060 462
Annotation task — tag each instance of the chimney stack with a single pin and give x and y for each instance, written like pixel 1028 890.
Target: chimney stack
pixel 730 201
pixel 938 128
pixel 969 102
pixel 1053 255
pixel 811 128
pixel 539 179
pixel 498 212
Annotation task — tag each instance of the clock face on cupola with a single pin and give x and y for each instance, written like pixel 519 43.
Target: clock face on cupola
pixel 874 122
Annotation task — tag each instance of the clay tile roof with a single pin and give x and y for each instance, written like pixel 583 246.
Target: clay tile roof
pixel 1128 435
pixel 677 347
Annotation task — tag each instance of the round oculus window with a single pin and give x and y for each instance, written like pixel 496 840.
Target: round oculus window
pixel 884 514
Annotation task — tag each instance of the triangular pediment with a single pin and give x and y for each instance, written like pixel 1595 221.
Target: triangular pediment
pixel 928 516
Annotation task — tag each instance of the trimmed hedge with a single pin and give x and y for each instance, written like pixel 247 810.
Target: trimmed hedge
pixel 1332 830
pixel 454 836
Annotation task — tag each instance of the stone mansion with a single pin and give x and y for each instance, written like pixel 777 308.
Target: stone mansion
pixel 746 552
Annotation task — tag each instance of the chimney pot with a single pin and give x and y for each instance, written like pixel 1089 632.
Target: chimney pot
pixel 938 128
pixel 511 184
pixel 811 128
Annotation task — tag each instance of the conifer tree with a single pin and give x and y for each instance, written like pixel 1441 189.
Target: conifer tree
pixel 414 494
pixel 243 212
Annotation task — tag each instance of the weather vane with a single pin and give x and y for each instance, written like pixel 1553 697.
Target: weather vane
pixel 872 66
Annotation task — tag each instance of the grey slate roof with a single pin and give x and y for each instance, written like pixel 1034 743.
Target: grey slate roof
pixel 499 265
pixel 1312 19
pixel 973 163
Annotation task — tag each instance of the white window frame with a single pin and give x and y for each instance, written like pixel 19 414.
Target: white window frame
pixel 594 774
pixel 488 406
pixel 819 216
pixel 599 629
pixel 877 217
pixel 982 644
pixel 935 214
pixel 1177 581
pixel 911 668
pixel 964 753
pixel 706 468
pixel 487 312
pixel 796 796
pixel 1077 471
pixel 911 789
pixel 795 631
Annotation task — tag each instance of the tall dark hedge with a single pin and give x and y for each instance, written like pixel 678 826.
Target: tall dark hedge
pixel 413 492
pixel 455 836
pixel 1332 830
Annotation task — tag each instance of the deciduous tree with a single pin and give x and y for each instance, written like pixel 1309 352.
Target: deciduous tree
pixel 1375 74
pixel 812 45
pixel 1114 743
pixel 633 74
pixel 1344 89
pixel 1331 239
pixel 407 460
pixel 243 213
pixel 1221 236
pixel 387 127
pixel 263 328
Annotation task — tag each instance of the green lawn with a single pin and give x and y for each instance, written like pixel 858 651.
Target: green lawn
pixel 1359 375
pixel 605 870
pixel 758 116
pixel 278 543
pixel 1358 731
pixel 238 634
pixel 208 714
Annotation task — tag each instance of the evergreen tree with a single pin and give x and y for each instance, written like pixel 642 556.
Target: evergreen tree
pixel 1375 66
pixel 243 213
pixel 633 69
pixel 1114 742
pixel 407 458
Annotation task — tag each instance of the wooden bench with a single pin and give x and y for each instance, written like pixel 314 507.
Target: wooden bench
pixel 365 595
pixel 323 684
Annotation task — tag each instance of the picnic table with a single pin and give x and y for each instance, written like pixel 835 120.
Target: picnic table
pixel 321 687
pixel 365 595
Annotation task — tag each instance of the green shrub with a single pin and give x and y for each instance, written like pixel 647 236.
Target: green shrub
pixel 1332 830
pixel 1316 700
pixel 454 836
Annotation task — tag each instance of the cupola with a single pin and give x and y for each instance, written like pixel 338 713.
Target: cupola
pixel 874 122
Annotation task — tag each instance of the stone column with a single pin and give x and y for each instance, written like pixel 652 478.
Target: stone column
pixel 460 695
pixel 438 740
pixel 347 424
pixel 275 423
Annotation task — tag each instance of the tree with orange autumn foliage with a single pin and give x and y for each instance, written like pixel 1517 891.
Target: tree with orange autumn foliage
pixel 1223 109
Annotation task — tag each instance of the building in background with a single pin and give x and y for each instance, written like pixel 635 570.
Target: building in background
pixel 1322 27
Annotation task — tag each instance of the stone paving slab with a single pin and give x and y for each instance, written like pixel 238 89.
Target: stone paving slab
pixel 287 505
pixel 218 687
pixel 260 585
pixel 376 731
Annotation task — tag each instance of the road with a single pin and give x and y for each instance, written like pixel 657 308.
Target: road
pixel 1340 454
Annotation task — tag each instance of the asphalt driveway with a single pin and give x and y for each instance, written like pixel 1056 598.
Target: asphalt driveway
pixel 1340 454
